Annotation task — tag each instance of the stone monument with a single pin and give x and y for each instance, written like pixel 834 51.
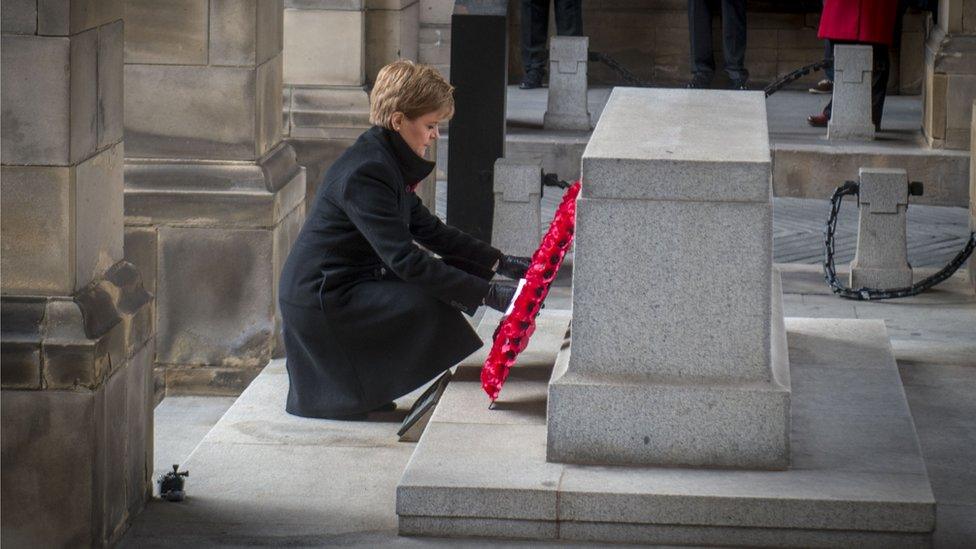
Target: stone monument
pixel 517 218
pixel 657 375
pixel 850 116
pixel 567 84
pixel 77 337
pixel 881 260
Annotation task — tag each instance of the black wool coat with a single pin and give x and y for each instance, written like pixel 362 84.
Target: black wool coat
pixel 368 314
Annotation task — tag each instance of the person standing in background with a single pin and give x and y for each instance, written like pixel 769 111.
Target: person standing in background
pixel 733 43
pixel 535 30
pixel 869 22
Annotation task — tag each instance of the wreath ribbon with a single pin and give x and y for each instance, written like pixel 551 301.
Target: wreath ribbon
pixel 513 332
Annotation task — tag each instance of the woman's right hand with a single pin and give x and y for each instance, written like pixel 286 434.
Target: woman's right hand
pixel 499 296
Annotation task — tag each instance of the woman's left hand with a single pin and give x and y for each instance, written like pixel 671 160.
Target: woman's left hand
pixel 513 267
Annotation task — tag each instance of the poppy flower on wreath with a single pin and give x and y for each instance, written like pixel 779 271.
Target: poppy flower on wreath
pixel 513 332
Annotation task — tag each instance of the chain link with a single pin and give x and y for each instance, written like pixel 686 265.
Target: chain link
pixel 628 77
pixel 796 75
pixel 871 294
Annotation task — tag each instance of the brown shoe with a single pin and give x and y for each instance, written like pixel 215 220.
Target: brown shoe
pixel 824 86
pixel 818 120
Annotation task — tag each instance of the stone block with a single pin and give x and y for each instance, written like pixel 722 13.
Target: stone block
pixel 111 71
pixel 19 17
pixel 284 236
pixel 934 113
pixel 176 35
pixel 328 113
pixel 972 191
pixel 269 105
pixel 435 45
pixel 83 91
pixel 348 5
pixel 67 17
pixel 881 260
pixel 851 113
pixel 37 256
pixel 391 34
pixel 436 12
pixel 316 155
pixel 98 229
pixel 639 325
pixel 677 159
pixel 960 91
pixel 310 33
pixel 567 109
pixel 208 380
pixel 139 436
pixel 226 324
pixel 47 457
pixel 245 33
pixel 516 228
pixel 194 119
pixel 140 250
pixel 36 100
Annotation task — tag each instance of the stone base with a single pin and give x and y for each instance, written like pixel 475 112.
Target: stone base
pixel 885 279
pixel 850 132
pixel 857 475
pixel 561 121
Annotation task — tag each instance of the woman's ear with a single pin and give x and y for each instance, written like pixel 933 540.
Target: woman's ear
pixel 396 120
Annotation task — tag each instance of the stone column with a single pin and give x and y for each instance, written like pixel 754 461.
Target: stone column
pixel 213 196
pixel 567 109
pixel 76 341
pixel 518 189
pixel 881 260
pixel 332 48
pixel 679 352
pixel 850 116
pixel 950 76
pixel 972 192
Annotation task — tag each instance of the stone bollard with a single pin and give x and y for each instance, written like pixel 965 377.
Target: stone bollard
pixel 518 187
pixel 851 111
pixel 881 260
pixel 972 193
pixel 567 108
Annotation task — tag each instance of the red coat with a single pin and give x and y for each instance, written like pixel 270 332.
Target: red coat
pixel 869 21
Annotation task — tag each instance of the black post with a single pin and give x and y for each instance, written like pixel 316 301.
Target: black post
pixel 479 73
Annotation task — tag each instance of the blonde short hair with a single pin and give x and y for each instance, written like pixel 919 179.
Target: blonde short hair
pixel 410 88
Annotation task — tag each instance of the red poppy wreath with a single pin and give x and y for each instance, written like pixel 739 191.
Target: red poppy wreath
pixel 513 332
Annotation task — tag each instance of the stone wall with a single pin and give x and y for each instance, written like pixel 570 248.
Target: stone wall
pixel 213 197
pixel 76 337
pixel 950 76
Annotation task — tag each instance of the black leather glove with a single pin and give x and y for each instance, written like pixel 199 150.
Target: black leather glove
pixel 513 267
pixel 499 296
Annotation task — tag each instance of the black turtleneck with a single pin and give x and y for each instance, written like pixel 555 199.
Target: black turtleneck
pixel 414 168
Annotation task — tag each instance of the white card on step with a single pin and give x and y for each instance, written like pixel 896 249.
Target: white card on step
pixel 518 290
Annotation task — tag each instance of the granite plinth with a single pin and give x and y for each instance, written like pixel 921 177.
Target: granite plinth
pixel 857 475
pixel 881 260
pixel 567 84
pixel 515 228
pixel 850 116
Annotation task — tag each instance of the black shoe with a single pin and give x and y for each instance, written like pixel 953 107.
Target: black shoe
pixel 531 80
pixel 737 84
pixel 699 82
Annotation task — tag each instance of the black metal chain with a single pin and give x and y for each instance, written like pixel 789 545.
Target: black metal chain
pixel 625 74
pixel 796 75
pixel 870 294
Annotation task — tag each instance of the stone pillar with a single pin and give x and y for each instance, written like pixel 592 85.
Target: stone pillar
pixel 679 352
pixel 950 76
pixel 881 260
pixel 567 84
pixel 518 188
pixel 76 341
pixel 972 192
pixel 850 116
pixel 331 49
pixel 213 196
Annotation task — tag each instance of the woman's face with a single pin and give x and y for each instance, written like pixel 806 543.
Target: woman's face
pixel 419 132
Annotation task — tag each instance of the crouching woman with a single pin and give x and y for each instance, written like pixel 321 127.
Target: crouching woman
pixel 368 314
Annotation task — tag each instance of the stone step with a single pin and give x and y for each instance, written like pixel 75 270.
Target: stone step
pixel 857 474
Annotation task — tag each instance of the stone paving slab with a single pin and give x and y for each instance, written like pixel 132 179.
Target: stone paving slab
pixel 883 497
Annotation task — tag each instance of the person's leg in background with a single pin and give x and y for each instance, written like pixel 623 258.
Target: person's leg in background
pixel 734 42
pixel 700 33
pixel 535 30
pixel 569 17
pixel 879 82
pixel 826 84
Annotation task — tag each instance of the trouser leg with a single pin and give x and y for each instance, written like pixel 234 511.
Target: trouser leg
pixel 700 31
pixel 535 28
pixel 879 81
pixel 569 17
pixel 829 56
pixel 734 38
